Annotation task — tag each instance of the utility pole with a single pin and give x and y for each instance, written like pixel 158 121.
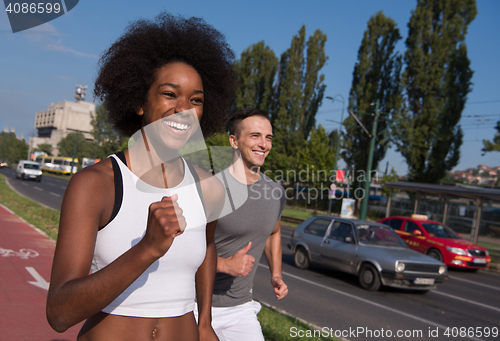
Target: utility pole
pixel 368 178
pixel 74 153
pixel 338 144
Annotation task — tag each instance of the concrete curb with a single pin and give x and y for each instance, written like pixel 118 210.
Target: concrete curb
pixel 283 312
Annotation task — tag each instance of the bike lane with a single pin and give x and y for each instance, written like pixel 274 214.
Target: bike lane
pixel 25 263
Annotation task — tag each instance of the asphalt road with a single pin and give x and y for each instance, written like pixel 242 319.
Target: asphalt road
pixel 48 192
pixel 335 301
pixel 468 304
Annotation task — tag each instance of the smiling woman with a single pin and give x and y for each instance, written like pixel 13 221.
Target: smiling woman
pixel 141 221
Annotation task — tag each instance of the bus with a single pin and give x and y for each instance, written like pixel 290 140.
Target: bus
pixel 56 164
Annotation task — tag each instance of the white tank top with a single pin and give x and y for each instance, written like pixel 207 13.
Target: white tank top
pixel 167 287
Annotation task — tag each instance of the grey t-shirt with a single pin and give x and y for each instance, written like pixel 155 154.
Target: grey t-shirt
pixel 252 221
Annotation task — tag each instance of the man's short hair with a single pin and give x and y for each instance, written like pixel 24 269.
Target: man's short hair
pixel 240 115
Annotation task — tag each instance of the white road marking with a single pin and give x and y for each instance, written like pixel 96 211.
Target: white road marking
pixel 466 300
pixel 472 282
pixel 38 188
pixel 55 194
pixel 40 281
pixel 368 301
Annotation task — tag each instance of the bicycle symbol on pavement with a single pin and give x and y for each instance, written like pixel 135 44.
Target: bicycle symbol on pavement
pixel 22 253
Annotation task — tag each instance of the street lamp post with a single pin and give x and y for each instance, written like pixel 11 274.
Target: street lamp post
pixel 368 178
pixel 74 149
pixel 74 153
pixel 338 129
pixel 338 143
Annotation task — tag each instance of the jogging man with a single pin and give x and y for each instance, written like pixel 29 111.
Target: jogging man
pixel 252 228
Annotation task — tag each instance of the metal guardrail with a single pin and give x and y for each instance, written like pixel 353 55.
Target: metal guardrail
pixel 291 220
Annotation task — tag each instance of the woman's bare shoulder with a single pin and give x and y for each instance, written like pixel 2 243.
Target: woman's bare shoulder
pixel 91 184
pixel 94 175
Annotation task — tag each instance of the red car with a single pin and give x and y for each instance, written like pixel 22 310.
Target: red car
pixel 439 241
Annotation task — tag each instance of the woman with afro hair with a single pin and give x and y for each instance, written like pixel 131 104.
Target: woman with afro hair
pixel 135 245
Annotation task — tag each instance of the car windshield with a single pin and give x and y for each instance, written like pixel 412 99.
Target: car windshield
pixel 378 235
pixel 440 231
pixel 31 166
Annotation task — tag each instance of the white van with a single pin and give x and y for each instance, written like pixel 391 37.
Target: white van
pixel 29 170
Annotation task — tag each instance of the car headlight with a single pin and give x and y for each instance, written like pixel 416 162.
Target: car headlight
pixel 400 267
pixel 457 250
pixel 442 269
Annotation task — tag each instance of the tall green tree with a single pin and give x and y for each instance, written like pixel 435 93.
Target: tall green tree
pixel 45 148
pixel 376 76
pixel 392 176
pixel 437 79
pixel 106 138
pixel 84 147
pixel 300 89
pixel 12 149
pixel 494 146
pixel 256 71
pixel 316 163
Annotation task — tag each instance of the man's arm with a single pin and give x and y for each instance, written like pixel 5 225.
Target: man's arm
pixel 273 253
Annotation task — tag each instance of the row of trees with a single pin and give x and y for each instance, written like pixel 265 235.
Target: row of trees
pixel 12 149
pixel 421 92
pixel 421 104
pixel 290 89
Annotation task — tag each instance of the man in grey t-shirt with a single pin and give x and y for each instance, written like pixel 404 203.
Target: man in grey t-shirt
pixel 253 228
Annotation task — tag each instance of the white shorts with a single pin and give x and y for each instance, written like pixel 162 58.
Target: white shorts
pixel 238 323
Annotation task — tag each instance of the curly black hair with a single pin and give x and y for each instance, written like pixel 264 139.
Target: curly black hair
pixel 128 69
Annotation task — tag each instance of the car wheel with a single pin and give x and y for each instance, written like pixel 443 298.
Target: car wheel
pixel 23 176
pixel 369 278
pixel 39 178
pixel 301 259
pixel 435 254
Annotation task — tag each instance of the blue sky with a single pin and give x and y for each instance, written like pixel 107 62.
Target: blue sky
pixel 42 65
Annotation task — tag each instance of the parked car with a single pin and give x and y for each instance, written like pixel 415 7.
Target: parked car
pixel 29 170
pixel 439 241
pixel 369 250
pixel 3 164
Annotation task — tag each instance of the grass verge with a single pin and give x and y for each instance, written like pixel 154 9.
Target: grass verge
pixel 296 213
pixel 279 327
pixel 275 326
pixel 43 218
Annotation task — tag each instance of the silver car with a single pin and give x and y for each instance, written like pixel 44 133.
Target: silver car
pixel 371 251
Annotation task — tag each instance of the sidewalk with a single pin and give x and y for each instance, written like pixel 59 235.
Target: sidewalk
pixel 25 263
